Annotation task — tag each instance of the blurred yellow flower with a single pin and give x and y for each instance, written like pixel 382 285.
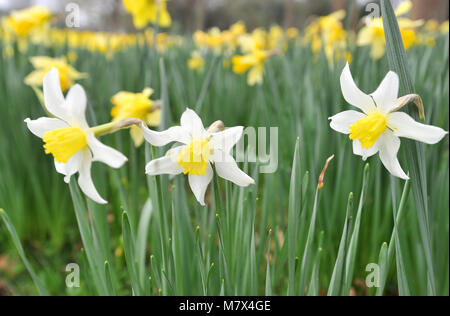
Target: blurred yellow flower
pixel 43 64
pixel 292 33
pixel 327 34
pixel 373 33
pixel 254 62
pixel 444 27
pixel 148 11
pixel 136 105
pixel 24 21
pixel 196 61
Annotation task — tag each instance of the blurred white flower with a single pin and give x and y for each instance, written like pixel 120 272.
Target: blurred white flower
pixel 200 148
pixel 378 128
pixel 68 137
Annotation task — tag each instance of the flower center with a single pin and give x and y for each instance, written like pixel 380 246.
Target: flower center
pixel 368 129
pixel 63 143
pixel 194 157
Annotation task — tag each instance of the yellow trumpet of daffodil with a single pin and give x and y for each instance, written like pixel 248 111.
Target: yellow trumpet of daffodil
pixel 136 105
pixel 148 11
pixel 24 21
pixel 43 64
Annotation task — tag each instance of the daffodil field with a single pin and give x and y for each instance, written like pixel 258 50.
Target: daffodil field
pixel 119 157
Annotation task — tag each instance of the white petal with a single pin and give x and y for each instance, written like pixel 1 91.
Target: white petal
pixel 228 169
pixel 173 134
pixel 404 125
pixel 199 184
pixel 387 93
pixel 341 122
pixel 389 146
pixel 76 105
pixel 352 94
pixel 192 123
pixel 105 154
pixel 226 139
pixel 85 180
pixel 166 164
pixel 53 96
pixel 44 124
pixel 363 152
pixel 72 166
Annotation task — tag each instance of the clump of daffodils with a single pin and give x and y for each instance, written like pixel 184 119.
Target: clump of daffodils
pixel 198 151
pixel 139 106
pixel 378 128
pixel 68 137
pixel 372 34
pixel 25 21
pixel 327 34
pixel 255 55
pixel 43 64
pixel 196 62
pixel 148 11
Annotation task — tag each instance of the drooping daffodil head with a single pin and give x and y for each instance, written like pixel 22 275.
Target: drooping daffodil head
pixel 378 128
pixel 197 151
pixel 68 138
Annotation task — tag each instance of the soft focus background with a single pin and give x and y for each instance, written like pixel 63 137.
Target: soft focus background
pixel 299 90
pixel 191 15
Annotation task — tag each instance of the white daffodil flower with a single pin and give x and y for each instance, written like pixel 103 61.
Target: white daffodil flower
pixel 378 128
pixel 200 148
pixel 68 137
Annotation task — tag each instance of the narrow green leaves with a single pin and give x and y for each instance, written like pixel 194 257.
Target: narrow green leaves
pixel 335 286
pixel 353 246
pixel 16 240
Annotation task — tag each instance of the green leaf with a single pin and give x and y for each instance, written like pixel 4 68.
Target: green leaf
pixel 398 62
pixel 335 286
pixel 353 246
pixel 293 213
pixel 129 244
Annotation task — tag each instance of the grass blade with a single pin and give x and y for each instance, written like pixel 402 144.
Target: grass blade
pixel 16 240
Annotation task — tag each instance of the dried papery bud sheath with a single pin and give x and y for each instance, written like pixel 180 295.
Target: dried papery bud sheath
pixel 114 126
pixel 156 105
pixel 322 174
pixel 215 127
pixel 126 123
pixel 411 98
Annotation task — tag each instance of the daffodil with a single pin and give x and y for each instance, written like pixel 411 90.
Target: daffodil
pixel 68 137
pixel 199 149
pixel 254 58
pixel 378 128
pixel 444 27
pixel 24 21
pixel 372 34
pixel 43 64
pixel 136 105
pixel 196 61
pixel 148 11
pixel 327 34
pixel 254 62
